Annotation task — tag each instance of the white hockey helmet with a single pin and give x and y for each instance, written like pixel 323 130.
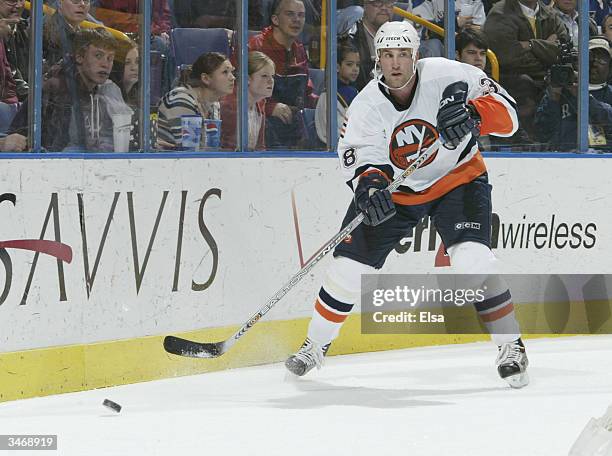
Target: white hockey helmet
pixel 395 35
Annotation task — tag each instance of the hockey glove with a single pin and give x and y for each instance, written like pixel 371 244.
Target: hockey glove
pixel 455 119
pixel 372 198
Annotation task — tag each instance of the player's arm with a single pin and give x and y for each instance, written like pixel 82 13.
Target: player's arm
pixel 456 118
pixel 493 106
pixel 475 105
pixel 361 150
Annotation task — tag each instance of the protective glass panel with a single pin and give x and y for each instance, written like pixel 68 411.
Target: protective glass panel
pixel 283 112
pixel 88 103
pixel 14 72
pixel 541 74
pixel 197 108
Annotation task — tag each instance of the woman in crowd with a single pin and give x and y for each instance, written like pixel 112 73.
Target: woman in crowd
pixel 125 75
pixel 211 78
pixel 261 84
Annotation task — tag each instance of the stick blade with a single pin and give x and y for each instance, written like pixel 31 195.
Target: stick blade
pixel 191 349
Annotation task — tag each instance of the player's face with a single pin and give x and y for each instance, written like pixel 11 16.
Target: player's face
pixel 349 67
pixel 95 65
pixel 396 66
pixel 290 18
pixel 221 81
pixel 261 83
pixel 473 55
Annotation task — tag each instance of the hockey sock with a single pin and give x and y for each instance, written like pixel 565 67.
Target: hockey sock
pixel 337 296
pixel 496 309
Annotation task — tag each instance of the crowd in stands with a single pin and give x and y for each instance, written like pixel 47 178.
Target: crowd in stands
pixel 91 76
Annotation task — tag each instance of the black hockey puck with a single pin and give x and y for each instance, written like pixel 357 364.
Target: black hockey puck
pixel 111 405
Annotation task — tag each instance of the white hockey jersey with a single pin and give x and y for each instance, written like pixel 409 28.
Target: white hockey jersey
pixel 378 133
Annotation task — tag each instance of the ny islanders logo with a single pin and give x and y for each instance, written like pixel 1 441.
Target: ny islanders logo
pixel 405 142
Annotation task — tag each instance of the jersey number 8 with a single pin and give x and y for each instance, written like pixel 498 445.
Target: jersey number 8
pixel 349 157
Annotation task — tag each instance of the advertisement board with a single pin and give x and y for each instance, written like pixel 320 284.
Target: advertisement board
pixel 160 246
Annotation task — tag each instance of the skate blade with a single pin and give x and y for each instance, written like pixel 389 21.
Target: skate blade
pixel 518 381
pixel 296 368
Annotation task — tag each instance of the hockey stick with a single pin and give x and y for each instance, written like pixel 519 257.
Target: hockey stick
pixel 184 347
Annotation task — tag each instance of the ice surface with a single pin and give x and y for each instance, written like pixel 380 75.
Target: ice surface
pixel 434 401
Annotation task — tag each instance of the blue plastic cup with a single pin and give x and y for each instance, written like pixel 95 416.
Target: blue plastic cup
pixel 212 132
pixel 191 132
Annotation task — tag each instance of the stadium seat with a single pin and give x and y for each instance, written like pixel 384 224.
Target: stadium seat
pixel 157 67
pixel 189 43
pixel 317 76
pixel 309 123
pixel 347 17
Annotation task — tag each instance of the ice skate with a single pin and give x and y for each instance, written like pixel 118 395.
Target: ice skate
pixel 308 356
pixel 512 364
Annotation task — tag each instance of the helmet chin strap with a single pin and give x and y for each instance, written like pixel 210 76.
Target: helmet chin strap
pixel 397 88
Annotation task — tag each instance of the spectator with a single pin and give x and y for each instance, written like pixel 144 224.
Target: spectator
pixel 524 34
pixel 60 29
pixel 9 103
pixel 599 10
pixel 125 15
pixel 293 89
pixel 122 90
pixel 211 78
pixel 606 27
pixel 375 14
pixel 566 10
pixel 348 71
pixel 471 47
pixel 469 13
pixel 17 43
pixel 261 85
pixel 125 75
pixel 74 116
pixel 556 118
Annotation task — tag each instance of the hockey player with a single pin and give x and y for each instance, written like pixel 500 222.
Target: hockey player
pixel 413 102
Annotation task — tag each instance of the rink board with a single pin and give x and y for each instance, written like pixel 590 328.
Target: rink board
pixel 169 246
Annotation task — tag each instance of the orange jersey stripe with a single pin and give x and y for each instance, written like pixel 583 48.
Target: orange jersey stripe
pixel 459 176
pixel 494 115
pixel 333 317
pixel 498 314
pixel 374 171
